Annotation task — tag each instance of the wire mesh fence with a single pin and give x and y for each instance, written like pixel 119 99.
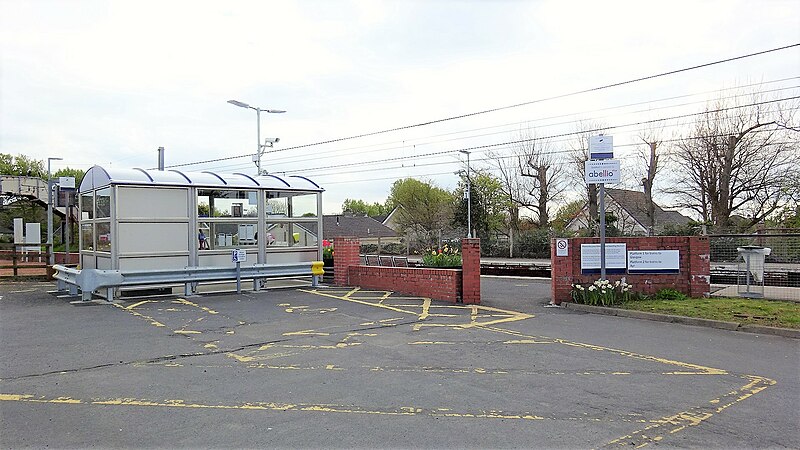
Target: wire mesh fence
pixel 757 265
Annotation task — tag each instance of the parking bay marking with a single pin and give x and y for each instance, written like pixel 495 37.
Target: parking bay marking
pixel 690 417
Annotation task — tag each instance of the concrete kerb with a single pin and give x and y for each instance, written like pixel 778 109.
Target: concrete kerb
pixel 731 326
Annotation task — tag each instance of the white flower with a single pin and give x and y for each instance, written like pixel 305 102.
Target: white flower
pixel 616 283
pixel 591 288
pixel 580 288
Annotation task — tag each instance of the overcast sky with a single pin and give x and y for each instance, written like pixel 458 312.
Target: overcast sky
pixel 108 82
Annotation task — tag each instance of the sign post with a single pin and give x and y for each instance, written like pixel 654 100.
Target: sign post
pixel 238 256
pixel 601 168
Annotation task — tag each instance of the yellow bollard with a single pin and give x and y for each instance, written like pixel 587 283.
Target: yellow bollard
pixel 316 272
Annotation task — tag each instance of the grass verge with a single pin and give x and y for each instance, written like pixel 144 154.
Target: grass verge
pixel 743 310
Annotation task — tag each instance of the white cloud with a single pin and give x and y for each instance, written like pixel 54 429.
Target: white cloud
pixel 108 82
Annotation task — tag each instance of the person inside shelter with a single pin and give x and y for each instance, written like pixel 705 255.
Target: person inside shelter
pixel 203 241
pixel 270 238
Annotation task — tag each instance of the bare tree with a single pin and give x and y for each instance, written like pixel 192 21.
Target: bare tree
pixel 532 178
pixel 738 159
pixel 651 160
pixel 544 173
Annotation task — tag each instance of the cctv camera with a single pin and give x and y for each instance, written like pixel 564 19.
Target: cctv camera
pixel 271 140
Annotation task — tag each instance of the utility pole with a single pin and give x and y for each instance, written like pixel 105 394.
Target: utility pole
pixel 50 187
pixel 469 198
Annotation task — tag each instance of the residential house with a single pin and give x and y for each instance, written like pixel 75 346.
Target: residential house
pixel 367 229
pixel 630 209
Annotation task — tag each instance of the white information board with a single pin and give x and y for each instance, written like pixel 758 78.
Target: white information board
pixel 615 258
pixel 602 171
pixel 239 255
pixel 562 247
pixel 654 261
pixel 601 147
pixel 66 182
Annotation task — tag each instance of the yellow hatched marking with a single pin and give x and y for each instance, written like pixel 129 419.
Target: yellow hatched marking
pixel 137 304
pixel 692 417
pixel 499 315
pixel 183 301
pixel 347 298
pixel 152 321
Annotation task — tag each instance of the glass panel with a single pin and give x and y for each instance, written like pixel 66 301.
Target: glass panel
pixel 87 236
pixel 103 203
pixel 290 234
pixel 277 206
pixel 87 207
pixel 304 205
pixel 103 236
pixel 226 203
pixel 227 235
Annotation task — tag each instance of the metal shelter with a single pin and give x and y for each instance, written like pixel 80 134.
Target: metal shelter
pixel 137 219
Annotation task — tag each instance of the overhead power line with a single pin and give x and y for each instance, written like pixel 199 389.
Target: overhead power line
pixel 519 141
pixel 517 105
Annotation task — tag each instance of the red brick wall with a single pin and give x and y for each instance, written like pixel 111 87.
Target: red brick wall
pixel 439 284
pixel 471 266
pixel 452 285
pixel 693 279
pixel 345 254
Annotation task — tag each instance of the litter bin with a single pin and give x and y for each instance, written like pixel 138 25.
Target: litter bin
pixel 750 279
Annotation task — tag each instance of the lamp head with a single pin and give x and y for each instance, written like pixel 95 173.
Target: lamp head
pixel 238 103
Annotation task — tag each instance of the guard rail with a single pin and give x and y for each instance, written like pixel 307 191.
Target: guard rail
pixel 90 281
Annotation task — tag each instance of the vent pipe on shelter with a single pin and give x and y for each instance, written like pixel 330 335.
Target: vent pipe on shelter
pixel 161 158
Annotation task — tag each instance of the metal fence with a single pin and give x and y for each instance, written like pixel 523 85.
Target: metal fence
pixel 781 268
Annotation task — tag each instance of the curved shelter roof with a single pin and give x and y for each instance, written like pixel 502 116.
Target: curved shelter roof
pixel 98 177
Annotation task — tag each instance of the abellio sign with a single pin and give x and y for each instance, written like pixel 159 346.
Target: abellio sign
pixel 602 171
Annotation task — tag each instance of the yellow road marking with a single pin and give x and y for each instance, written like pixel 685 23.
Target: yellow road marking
pixel 183 301
pixel 305 333
pixel 382 299
pixel 308 407
pixel 347 298
pixel 133 306
pixel 426 305
pixel 694 416
pixel 152 321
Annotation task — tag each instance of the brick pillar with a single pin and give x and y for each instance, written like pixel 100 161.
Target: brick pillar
pixel 561 271
pixel 345 254
pixel 471 270
pixel 699 267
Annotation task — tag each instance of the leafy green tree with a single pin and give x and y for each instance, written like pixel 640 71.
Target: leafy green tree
pixel 21 165
pixel 360 207
pixel 424 208
pixel 69 172
pixel 488 203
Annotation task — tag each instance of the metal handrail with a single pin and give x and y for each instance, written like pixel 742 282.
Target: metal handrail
pixel 89 281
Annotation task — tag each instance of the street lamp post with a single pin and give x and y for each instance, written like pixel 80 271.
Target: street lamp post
pixel 50 209
pixel 469 197
pixel 260 147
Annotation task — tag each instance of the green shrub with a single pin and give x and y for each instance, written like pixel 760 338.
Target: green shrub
pixel 443 257
pixel 670 294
